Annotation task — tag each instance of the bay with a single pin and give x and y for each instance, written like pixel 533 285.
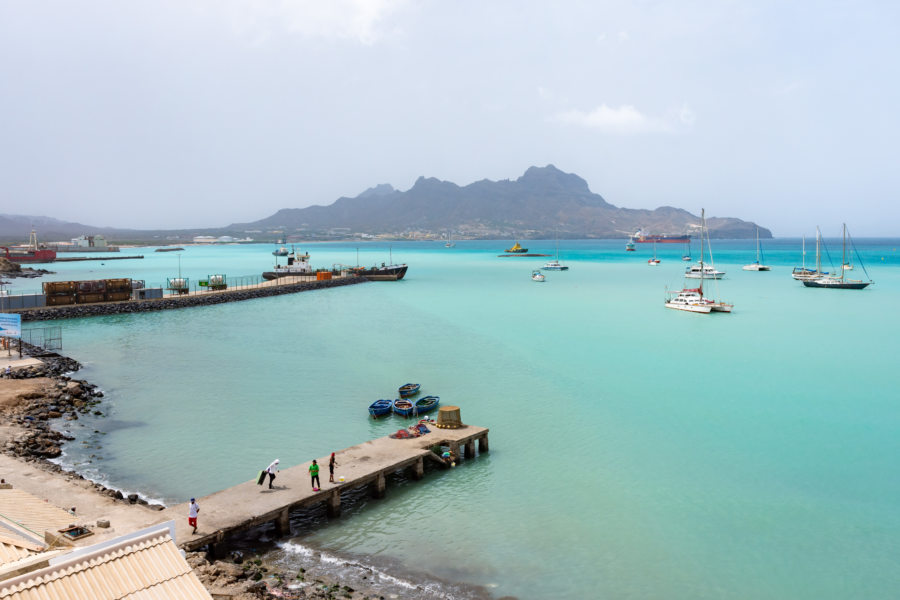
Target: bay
pixel 636 452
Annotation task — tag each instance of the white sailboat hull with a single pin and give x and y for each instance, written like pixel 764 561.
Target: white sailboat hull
pixel 696 308
pixel 756 267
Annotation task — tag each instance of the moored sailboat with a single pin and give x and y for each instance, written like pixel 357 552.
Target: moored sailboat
pixel 555 265
pixel 692 299
pixel 839 282
pixel 757 266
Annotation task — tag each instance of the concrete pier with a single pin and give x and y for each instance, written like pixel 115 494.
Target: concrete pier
pixel 248 505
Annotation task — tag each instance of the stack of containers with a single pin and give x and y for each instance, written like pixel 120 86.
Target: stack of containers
pixel 58 293
pixel 88 292
pixel 118 289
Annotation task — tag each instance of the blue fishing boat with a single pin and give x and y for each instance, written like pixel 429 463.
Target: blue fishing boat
pixel 409 389
pixel 403 407
pixel 426 404
pixel 380 407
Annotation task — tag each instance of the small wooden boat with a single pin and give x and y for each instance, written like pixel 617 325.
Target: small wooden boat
pixel 403 407
pixel 409 389
pixel 380 407
pixel 426 404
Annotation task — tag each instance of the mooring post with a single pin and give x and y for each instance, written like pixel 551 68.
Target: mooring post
pixel 378 486
pixel 483 443
pixel 419 469
pixel 283 523
pixel 470 449
pixel 333 504
pixel 454 449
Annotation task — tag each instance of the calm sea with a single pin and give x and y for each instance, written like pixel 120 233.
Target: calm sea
pixel 636 452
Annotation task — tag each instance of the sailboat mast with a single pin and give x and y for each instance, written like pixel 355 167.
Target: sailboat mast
pixel 844 252
pixel 804 253
pixel 757 245
pixel 702 227
pixel 818 252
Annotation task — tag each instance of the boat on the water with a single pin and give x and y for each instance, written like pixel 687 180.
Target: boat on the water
pixel 692 299
pixel 409 389
pixel 380 407
pixel 839 282
pixel 629 247
pixel 653 261
pixel 297 264
pixel 703 272
pixel 382 273
pixel 516 249
pixel 536 275
pixel 426 404
pixel 168 249
pixel 687 252
pixel 30 253
pixel 450 243
pixel 402 407
pixel 283 251
pixel 555 265
pixel 803 273
pixel 757 265
pixel 641 238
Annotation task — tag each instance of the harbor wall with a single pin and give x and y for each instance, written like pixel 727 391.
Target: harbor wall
pixel 74 311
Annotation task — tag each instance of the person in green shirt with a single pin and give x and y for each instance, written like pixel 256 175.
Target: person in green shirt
pixel 314 473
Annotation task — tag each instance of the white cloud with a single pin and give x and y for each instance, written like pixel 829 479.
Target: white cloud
pixel 626 119
pixel 364 21
pixel 623 36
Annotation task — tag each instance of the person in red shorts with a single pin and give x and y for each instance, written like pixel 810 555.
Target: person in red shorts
pixel 193 511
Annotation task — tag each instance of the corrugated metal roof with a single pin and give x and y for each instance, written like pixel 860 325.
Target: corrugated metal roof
pixel 32 513
pixel 149 567
pixel 12 550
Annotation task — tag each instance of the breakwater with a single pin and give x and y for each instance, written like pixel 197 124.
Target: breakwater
pixel 82 258
pixel 74 311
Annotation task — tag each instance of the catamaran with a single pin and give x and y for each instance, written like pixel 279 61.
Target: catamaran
pixel 555 265
pixel 757 266
pixel 692 299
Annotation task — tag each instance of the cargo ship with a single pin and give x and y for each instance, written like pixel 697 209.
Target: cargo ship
pixel 32 253
pixel 641 238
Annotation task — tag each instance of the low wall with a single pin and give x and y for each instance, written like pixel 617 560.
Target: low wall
pixel 74 311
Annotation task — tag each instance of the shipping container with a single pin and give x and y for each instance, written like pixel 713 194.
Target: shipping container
pixel 323 275
pixel 90 297
pixel 87 287
pixel 117 296
pixel 59 287
pixel 118 285
pixel 59 300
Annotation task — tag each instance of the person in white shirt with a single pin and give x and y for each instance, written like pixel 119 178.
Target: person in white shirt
pixel 271 470
pixel 193 511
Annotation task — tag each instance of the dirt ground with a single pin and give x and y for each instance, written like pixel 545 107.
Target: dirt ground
pixel 13 391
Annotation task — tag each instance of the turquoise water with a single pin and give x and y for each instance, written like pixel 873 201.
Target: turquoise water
pixel 636 452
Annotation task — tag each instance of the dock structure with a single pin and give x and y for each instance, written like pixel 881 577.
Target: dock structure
pixel 249 505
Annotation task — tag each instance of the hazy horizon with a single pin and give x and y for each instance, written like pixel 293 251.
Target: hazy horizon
pixel 172 115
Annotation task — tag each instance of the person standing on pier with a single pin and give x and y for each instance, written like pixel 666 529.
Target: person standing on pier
pixel 271 470
pixel 331 465
pixel 314 473
pixel 193 511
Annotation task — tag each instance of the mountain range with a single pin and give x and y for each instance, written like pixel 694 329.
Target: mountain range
pixel 544 202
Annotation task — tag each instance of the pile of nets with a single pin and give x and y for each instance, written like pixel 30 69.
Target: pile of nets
pixel 417 430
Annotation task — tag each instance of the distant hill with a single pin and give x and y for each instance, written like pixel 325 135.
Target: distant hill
pixel 532 206
pixel 541 202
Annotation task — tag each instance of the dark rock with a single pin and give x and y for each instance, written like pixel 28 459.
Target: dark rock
pixel 132 498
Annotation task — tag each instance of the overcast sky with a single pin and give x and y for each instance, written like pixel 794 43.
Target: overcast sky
pixel 184 113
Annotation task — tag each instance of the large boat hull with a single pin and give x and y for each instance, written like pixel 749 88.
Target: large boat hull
pixel 32 256
pixel 383 273
pixel 838 285
pixel 662 239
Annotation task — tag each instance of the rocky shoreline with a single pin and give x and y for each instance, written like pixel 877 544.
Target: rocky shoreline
pixel 12 270
pixel 33 440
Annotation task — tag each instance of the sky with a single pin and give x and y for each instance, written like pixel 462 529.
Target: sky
pixel 190 113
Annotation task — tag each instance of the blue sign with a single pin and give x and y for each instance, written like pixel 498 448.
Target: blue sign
pixel 10 325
